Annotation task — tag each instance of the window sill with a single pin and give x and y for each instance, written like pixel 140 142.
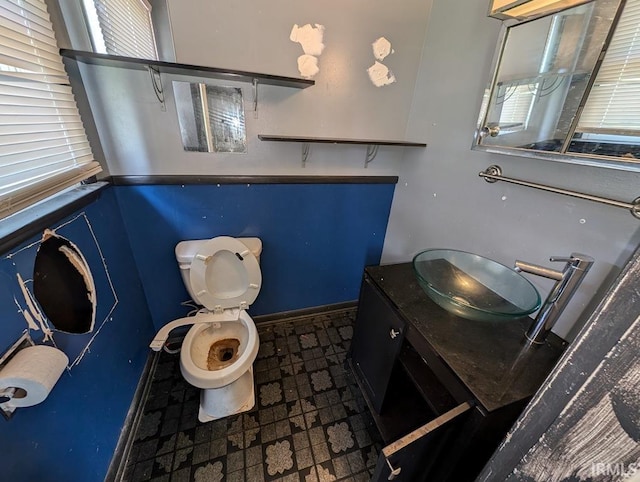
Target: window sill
pixel 18 228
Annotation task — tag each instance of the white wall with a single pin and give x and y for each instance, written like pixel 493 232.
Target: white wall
pixel 139 138
pixel 441 202
pixel 254 36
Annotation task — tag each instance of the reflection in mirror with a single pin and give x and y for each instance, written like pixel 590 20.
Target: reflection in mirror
pixel 120 28
pixel 543 74
pixel 609 124
pixel 211 117
pixel 566 87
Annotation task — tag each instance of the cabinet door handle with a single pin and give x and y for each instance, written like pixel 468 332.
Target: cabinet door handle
pixel 393 333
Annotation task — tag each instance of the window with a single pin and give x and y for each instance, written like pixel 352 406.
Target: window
pixel 121 27
pixel 43 145
pixel 612 106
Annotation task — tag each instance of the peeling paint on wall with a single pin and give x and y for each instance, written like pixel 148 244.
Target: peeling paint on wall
pixel 31 313
pixel 380 75
pixel 308 66
pixel 381 48
pixel 311 40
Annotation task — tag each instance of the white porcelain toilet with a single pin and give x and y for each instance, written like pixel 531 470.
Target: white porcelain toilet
pixel 223 275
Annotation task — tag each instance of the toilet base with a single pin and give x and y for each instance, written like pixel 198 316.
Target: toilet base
pixel 237 397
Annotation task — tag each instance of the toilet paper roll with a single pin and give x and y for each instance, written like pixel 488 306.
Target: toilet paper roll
pixel 33 372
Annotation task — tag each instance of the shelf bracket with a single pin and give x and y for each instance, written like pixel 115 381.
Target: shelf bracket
pixel 255 94
pixel 306 152
pixel 372 152
pixel 156 83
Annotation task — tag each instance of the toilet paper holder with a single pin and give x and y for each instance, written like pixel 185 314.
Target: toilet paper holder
pixel 7 394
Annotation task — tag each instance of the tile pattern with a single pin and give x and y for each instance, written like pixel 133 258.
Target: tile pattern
pixel 310 422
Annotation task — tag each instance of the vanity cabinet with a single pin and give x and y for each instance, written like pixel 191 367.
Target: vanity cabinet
pixel 443 391
pixel 378 337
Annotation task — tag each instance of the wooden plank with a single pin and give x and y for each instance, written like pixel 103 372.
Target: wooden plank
pixel 420 432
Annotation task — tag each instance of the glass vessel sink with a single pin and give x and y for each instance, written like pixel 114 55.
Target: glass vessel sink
pixel 474 287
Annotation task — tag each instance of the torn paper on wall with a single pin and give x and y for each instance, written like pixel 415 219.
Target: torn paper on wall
pixel 310 38
pixel 380 75
pixel 381 48
pixel 30 313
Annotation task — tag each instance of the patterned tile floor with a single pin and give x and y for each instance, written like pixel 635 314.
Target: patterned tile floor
pixel 310 422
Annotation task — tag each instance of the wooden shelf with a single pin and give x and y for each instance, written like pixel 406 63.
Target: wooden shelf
pixel 331 140
pixel 185 69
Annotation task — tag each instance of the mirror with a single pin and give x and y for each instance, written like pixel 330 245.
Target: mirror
pixel 211 117
pixel 552 93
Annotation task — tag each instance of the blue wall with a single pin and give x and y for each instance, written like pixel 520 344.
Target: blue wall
pixel 317 238
pixel 72 435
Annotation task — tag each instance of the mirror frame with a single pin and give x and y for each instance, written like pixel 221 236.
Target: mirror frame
pixel 568 157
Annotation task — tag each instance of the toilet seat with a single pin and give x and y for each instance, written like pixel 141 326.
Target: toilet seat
pixel 225 274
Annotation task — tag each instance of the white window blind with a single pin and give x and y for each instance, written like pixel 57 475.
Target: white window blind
pixel 126 28
pixel 613 105
pixel 516 105
pixel 43 145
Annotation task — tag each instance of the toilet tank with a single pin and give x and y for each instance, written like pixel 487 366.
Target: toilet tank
pixel 186 250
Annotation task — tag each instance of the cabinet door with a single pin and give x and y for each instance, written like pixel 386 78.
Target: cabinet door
pixel 410 458
pixel 377 340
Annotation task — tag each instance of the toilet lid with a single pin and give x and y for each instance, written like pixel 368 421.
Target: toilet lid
pixel 225 274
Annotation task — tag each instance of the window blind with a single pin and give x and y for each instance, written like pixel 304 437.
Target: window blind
pixel 516 105
pixel 43 145
pixel 613 106
pixel 126 28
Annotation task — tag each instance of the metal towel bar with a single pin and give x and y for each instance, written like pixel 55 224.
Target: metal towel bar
pixel 494 174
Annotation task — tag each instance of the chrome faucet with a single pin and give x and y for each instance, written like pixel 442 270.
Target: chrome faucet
pixel 567 282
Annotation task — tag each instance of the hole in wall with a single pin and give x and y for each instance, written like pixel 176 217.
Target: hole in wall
pixel 19 267
pixel 63 285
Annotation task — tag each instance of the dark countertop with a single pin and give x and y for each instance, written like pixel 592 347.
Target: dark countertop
pixel 489 358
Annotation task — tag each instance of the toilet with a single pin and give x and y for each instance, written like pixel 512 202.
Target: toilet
pixel 217 354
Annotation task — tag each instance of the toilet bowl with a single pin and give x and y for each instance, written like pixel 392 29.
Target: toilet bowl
pixel 217 354
pixel 198 361
pixel 218 357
